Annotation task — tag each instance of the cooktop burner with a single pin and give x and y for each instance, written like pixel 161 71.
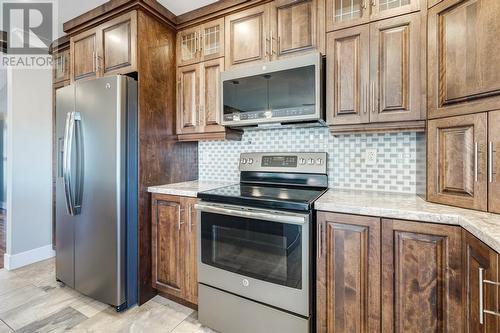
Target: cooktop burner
pixel 288 198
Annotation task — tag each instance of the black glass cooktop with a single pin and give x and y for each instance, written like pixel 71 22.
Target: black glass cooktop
pixel 290 198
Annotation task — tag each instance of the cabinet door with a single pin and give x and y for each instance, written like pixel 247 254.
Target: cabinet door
pixel 169 245
pixel 188 45
pixel 191 256
pixel 119 38
pixel 247 36
pixel 61 66
pixel 210 95
pixel 395 60
pixel 212 40
pixel 294 26
pixel 421 277
pixel 347 78
pixel 494 162
pixel 387 8
pixel 457 161
pixel 84 48
pixel 479 257
pixel 188 99
pixel 463 43
pixel 348 273
pixel 341 14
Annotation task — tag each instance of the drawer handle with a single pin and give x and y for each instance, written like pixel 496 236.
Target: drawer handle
pixel 491 165
pixel 180 211
pixel 320 240
pixel 482 310
pixel 476 161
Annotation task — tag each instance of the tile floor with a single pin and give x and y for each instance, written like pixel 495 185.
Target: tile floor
pixel 32 301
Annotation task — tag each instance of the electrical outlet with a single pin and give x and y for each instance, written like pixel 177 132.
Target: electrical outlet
pixel 370 156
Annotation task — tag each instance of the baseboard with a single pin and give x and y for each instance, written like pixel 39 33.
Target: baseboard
pixel 15 261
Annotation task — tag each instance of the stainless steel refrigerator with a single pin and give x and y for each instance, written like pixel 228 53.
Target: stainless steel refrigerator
pixel 96 189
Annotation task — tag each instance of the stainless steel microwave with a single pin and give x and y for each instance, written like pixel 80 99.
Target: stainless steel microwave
pixel 283 91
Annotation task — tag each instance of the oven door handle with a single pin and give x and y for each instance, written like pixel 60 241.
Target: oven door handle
pixel 273 216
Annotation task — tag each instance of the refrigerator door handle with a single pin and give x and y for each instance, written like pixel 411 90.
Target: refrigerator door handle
pixel 77 122
pixel 74 208
pixel 68 144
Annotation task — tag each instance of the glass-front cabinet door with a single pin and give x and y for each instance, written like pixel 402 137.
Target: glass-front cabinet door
pixel 346 13
pixel 212 40
pixel 188 46
pixel 387 8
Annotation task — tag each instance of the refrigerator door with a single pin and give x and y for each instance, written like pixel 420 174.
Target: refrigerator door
pixel 65 106
pixel 100 228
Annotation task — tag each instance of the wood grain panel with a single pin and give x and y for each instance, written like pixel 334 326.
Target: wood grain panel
pixel 84 48
pixel 476 256
pixel 169 244
pixel 295 25
pixel 463 40
pixel 188 98
pixel 348 76
pixel 246 36
pixel 61 66
pixel 348 276
pixel 422 277
pixel 395 69
pixel 494 162
pixel 452 160
pixel 120 44
pixel 162 159
pixel 210 95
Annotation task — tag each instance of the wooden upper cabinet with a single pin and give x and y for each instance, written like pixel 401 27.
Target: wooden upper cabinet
pixel 462 45
pixel 247 36
pixel 119 37
pixel 421 277
pixel 395 69
pixel 61 66
pixel 457 150
pixel 294 26
pixel 494 162
pixel 341 14
pixel 348 76
pixel 479 259
pixel 210 95
pixel 84 52
pixel 169 245
pixel 188 99
pixel 348 273
pixel 200 43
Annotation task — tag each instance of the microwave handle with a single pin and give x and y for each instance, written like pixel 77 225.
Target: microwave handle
pixel 279 217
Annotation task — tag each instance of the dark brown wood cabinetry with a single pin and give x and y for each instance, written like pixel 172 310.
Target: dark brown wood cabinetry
pixel 348 273
pixel 463 40
pixel 480 263
pixel 174 247
pixel 375 74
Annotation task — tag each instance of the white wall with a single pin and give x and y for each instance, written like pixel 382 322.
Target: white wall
pixel 29 163
pixel 69 9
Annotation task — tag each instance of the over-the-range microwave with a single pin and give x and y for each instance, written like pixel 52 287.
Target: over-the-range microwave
pixel 282 91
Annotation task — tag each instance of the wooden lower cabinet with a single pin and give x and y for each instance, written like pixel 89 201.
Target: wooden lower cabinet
pixel 421 277
pixel 174 247
pixel 388 276
pixel 348 273
pixel 479 257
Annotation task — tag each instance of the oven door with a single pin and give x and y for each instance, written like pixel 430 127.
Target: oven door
pixel 259 254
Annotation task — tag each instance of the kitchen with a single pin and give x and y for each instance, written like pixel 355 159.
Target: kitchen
pixel 271 166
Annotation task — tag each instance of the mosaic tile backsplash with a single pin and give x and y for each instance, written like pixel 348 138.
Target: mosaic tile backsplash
pixel 399 156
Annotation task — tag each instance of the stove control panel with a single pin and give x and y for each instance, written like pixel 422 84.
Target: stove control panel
pixel 284 162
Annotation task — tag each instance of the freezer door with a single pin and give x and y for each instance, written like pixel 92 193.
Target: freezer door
pixel 65 222
pixel 100 231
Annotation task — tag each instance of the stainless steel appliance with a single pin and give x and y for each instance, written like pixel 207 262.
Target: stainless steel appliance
pixel 254 244
pixel 283 91
pixel 96 189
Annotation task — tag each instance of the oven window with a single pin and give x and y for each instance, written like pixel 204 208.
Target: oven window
pixel 263 250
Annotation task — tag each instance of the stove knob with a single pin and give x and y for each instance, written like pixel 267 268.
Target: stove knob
pixel 319 161
pixel 243 161
pixel 310 161
pixel 250 161
pixel 302 161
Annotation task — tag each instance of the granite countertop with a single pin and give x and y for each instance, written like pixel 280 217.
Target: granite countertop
pixel 188 189
pixel 484 226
